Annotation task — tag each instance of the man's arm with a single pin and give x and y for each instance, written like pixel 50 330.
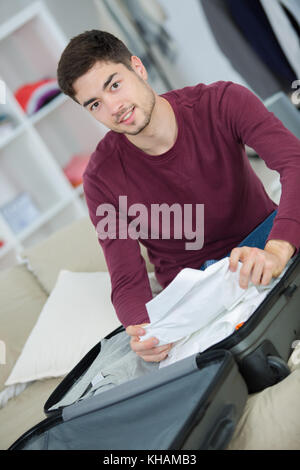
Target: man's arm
pixel 251 123
pixel 130 286
pixel 130 283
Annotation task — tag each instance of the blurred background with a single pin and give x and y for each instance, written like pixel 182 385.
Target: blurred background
pixel 46 139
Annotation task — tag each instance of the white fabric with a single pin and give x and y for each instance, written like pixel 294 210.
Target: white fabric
pixel 11 392
pixel 200 308
pixel 284 31
pixel 77 315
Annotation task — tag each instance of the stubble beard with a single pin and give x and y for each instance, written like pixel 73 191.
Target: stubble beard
pixel 147 109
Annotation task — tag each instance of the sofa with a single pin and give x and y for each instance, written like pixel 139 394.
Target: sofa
pixel 45 330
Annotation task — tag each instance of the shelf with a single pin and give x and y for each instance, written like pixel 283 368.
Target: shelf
pixel 29 167
pixel 19 20
pixel 6 249
pixel 14 117
pixel 36 197
pixel 42 220
pixel 49 108
pixel 61 217
pixel 69 131
pixel 29 47
pixel 13 135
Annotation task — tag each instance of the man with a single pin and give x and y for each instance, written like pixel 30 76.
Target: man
pixel 183 147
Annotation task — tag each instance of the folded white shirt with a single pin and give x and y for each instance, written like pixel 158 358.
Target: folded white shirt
pixel 200 308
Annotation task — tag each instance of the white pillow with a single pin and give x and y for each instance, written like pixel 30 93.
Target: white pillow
pixel 77 315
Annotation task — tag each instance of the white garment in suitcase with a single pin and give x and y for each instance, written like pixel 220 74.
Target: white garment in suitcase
pixel 200 308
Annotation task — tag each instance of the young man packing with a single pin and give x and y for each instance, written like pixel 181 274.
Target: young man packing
pixel 184 148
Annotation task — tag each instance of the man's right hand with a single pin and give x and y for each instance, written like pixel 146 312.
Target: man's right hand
pixel 148 349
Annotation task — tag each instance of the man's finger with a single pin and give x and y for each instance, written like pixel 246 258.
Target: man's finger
pixel 267 274
pixel 155 351
pixel 155 358
pixel 246 271
pixel 138 345
pixel 266 279
pixel 257 271
pixel 235 255
pixel 136 330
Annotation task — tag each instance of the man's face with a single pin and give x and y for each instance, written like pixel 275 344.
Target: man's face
pixel 117 97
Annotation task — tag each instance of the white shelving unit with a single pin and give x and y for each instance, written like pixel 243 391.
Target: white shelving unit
pixel 34 153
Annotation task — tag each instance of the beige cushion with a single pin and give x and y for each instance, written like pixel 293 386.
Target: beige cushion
pixel 294 360
pixel 77 314
pixel 271 419
pixel 74 248
pixel 24 411
pixel 22 300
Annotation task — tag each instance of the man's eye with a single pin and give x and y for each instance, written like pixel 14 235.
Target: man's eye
pixel 95 105
pixel 115 85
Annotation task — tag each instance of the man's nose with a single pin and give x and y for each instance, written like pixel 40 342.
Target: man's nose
pixel 116 108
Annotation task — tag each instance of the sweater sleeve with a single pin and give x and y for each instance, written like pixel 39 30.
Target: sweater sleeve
pixel 130 286
pixel 251 123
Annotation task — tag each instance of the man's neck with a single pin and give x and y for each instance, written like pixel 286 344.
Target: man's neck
pixel 161 133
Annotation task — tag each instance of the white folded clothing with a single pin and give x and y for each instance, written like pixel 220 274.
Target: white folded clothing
pixel 200 308
pixel 220 328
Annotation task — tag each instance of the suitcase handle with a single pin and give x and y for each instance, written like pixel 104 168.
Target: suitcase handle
pixel 279 366
pixel 222 430
pixel 263 367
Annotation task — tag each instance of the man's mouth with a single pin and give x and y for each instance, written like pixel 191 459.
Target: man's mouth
pixel 127 116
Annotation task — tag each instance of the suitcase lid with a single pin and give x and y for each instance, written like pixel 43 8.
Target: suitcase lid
pixel 192 404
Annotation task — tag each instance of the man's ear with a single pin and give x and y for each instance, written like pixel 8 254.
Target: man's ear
pixel 139 67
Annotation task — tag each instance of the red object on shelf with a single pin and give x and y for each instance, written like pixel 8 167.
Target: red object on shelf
pixel 2 243
pixel 75 168
pixel 33 96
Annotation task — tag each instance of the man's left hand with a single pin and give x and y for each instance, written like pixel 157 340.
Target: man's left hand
pixel 259 266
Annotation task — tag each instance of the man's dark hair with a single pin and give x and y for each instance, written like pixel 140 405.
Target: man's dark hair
pixel 83 51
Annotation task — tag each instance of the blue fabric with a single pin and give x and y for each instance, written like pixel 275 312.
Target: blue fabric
pixel 257 238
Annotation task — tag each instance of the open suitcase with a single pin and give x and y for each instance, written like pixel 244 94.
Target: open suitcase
pixel 193 404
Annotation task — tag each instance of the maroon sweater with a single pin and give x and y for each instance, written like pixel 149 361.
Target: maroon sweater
pixel 206 165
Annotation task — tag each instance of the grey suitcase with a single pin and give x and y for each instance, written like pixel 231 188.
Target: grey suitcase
pixel 192 404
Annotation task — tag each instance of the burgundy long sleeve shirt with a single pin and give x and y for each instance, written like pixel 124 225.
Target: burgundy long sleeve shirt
pixel 208 167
